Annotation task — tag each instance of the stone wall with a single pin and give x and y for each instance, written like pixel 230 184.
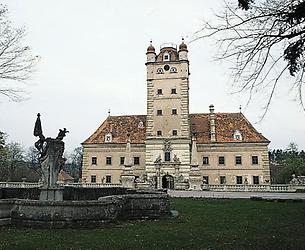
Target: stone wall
pixel 20 193
pixel 70 193
pixel 83 213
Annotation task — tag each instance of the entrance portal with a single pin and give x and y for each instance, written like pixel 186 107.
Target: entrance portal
pixel 168 181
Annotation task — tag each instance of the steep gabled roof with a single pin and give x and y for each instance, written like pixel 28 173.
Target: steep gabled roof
pixel 226 125
pixel 120 127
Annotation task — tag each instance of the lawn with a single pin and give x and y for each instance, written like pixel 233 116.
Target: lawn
pixel 202 224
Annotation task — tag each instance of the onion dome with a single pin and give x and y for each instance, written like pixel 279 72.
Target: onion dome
pixel 182 46
pixel 151 48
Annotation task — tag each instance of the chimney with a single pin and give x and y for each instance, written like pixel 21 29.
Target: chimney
pixel 212 123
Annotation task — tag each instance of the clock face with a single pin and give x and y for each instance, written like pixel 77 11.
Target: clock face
pixel 166 67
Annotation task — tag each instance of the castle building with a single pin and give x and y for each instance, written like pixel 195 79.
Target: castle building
pixel 169 147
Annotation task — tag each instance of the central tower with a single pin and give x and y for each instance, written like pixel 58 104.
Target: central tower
pixel 167 128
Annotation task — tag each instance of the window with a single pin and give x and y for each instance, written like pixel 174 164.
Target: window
pixel 166 57
pixel 174 91
pixel 108 137
pixel 159 71
pixel 93 178
pixel 159 92
pixel 122 159
pixel 221 160
pixel 136 160
pixel 167 156
pixel 108 178
pixel 237 135
pixel 238 160
pixel 175 132
pixel 222 180
pixel 173 70
pixel 141 124
pixel 205 160
pixel 254 159
pixel 255 180
pixel 166 67
pixel 239 180
pixel 94 160
pixel 159 133
pixel 174 111
pixel 108 160
pixel 205 179
pixel 159 112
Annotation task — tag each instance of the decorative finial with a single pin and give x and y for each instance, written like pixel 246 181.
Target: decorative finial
pixel 108 112
pixel 150 41
pixel 182 39
pixel 239 108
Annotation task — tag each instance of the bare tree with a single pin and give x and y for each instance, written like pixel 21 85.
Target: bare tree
pixel 16 59
pixel 266 39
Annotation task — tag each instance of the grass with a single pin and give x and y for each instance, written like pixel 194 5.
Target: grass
pixel 202 224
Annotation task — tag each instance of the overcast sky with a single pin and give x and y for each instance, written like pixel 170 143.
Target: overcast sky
pixel 93 59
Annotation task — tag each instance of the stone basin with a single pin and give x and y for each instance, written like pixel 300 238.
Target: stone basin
pixel 83 213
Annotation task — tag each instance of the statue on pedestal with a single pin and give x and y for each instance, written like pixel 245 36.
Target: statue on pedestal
pixel 51 159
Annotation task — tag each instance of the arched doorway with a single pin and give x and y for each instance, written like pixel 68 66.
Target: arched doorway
pixel 168 181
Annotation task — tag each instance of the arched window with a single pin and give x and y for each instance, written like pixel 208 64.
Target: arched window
pixel 173 70
pixel 159 71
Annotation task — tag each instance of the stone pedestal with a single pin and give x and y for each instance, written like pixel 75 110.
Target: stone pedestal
pixel 195 178
pixel 127 180
pixel 51 194
pixel 127 176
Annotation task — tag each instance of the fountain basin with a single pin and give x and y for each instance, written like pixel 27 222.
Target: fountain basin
pixel 83 213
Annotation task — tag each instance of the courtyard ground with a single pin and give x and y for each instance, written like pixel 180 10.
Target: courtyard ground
pixel 236 195
pixel 202 224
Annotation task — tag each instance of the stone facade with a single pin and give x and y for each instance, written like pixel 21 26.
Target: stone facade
pixel 169 147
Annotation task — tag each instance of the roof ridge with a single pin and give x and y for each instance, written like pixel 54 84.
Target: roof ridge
pixel 215 113
pixel 123 115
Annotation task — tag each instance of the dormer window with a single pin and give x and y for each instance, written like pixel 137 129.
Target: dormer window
pixel 237 136
pixel 140 125
pixel 159 71
pixel 108 137
pixel 166 57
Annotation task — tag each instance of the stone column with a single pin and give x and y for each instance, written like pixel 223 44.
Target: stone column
pixel 127 176
pixel 195 175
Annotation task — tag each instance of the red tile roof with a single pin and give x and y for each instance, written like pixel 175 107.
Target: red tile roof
pixel 226 125
pixel 120 126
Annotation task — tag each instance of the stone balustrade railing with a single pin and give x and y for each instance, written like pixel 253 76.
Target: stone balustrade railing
pixel 251 188
pixel 91 185
pixel 229 188
pixel 39 184
pixel 20 184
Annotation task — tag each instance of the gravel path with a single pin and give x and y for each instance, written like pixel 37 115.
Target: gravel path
pixel 236 195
